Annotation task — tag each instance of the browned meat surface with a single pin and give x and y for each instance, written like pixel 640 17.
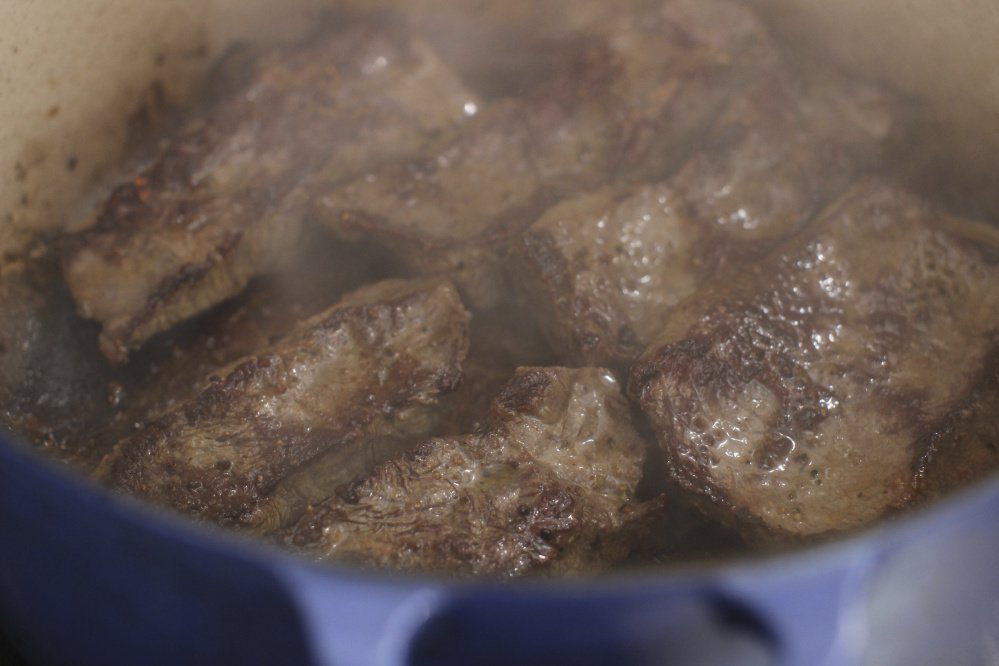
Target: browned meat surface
pixel 541 490
pixel 966 450
pixel 632 103
pixel 219 204
pixel 372 366
pixel 262 328
pixel 450 213
pixel 602 271
pixel 797 394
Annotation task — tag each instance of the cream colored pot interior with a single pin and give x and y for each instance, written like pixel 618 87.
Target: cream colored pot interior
pixel 73 73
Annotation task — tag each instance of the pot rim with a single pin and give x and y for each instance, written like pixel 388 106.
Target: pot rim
pixel 907 526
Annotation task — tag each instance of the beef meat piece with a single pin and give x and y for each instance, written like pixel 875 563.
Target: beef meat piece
pixel 679 67
pixel 541 490
pixel 634 102
pixel 797 394
pixel 602 271
pixel 220 205
pixel 372 366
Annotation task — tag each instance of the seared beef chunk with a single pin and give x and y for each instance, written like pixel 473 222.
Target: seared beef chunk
pixel 798 392
pixel 450 213
pixel 602 271
pixel 542 489
pixel 372 366
pixel 633 104
pixel 220 205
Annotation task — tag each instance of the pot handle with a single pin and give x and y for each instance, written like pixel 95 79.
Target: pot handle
pixel 352 621
pixel 681 627
pixel 793 615
pixel 376 623
pixel 813 605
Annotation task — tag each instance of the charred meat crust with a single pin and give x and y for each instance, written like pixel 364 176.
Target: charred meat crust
pixel 541 490
pixel 334 380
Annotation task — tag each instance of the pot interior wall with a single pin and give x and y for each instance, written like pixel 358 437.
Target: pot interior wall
pixel 942 53
pixel 75 76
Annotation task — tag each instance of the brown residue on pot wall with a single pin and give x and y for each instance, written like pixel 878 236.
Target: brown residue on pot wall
pixel 73 74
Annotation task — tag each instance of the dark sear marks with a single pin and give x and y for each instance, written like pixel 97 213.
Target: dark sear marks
pixel 603 271
pixel 797 396
pixel 219 205
pixel 542 489
pixel 373 365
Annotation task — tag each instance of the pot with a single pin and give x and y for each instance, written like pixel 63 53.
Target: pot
pixel 91 578
pixel 88 578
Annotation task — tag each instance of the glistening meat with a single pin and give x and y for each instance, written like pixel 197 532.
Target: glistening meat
pixel 542 489
pixel 603 271
pixel 798 396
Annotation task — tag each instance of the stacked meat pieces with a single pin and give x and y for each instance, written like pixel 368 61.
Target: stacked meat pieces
pixel 671 208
